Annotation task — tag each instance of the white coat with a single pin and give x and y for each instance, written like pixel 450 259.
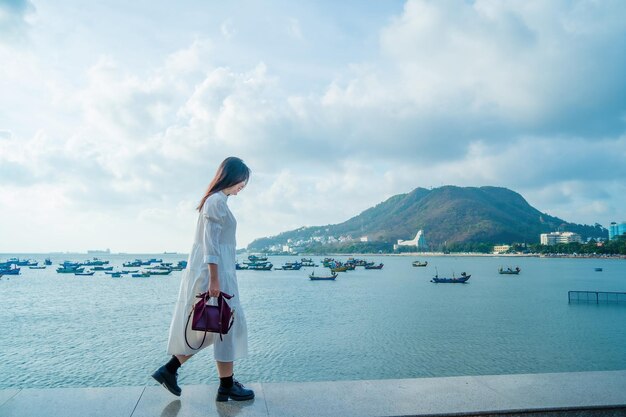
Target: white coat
pixel 214 243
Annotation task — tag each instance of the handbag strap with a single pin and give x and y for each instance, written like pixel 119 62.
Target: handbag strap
pixel 203 296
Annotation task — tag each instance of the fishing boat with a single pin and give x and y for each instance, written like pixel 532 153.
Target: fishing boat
pixel 10 271
pixel 342 268
pixel 154 272
pixel 379 266
pixel 255 258
pixel 132 264
pixel 85 273
pixel 141 275
pixel 261 266
pixel 22 262
pixel 327 262
pixel 116 275
pixel 47 261
pixel 37 267
pixel 418 263
pixel 240 267
pixel 291 266
pixel 102 268
pixel 95 262
pixel 69 270
pixel 462 279
pixel 509 271
pixel 313 277
pixel 597 269
pixel 307 262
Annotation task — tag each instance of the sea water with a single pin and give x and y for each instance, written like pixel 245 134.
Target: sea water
pixel 60 330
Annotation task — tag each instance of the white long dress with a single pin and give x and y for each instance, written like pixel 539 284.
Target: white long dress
pixel 214 243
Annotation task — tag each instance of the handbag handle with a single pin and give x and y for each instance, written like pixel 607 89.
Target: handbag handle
pixel 206 298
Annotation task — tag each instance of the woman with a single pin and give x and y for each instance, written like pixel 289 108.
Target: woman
pixel 211 267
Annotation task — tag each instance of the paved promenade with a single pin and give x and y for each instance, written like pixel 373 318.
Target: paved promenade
pixel 563 394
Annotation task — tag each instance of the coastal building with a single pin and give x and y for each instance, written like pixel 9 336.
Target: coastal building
pixel 616 229
pixel 501 248
pixel 419 242
pixel 555 238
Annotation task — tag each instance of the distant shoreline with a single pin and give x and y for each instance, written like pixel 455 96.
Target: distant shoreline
pixel 469 254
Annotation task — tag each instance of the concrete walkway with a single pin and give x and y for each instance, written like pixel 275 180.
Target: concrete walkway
pixel 563 394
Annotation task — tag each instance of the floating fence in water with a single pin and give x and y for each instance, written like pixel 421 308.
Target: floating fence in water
pixel 596 297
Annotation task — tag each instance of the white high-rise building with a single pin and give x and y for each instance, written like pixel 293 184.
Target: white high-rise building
pixel 555 238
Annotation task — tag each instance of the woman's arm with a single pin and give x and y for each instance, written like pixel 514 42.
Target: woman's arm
pixel 214 281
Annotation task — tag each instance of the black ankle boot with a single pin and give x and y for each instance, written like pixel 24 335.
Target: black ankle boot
pixel 168 379
pixel 237 392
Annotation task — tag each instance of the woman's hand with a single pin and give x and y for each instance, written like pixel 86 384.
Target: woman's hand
pixel 214 287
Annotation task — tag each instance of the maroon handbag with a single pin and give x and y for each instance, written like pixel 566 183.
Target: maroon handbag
pixel 209 318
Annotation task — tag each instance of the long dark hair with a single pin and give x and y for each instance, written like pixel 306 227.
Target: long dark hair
pixel 230 172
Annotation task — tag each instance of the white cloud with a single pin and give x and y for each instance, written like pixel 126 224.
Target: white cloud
pixel 523 95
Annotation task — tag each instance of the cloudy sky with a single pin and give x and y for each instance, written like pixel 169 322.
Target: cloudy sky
pixel 114 115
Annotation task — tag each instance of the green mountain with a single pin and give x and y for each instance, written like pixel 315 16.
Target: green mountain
pixel 447 215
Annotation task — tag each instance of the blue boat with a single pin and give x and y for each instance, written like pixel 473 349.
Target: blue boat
pixel 291 266
pixel 95 262
pixel 69 270
pixel 461 280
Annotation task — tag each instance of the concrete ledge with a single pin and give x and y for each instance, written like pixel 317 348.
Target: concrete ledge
pixel 592 394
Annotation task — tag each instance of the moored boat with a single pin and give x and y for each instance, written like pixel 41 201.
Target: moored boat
pixel 462 279
pixel 379 266
pixel 313 277
pixel 69 270
pixel 418 263
pixel 342 268
pixel 509 271
pixel 89 273
pixel 155 272
pixel 291 266
pixel 261 266
pixel 95 262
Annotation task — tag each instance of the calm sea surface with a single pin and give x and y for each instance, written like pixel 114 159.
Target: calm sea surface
pixel 62 330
